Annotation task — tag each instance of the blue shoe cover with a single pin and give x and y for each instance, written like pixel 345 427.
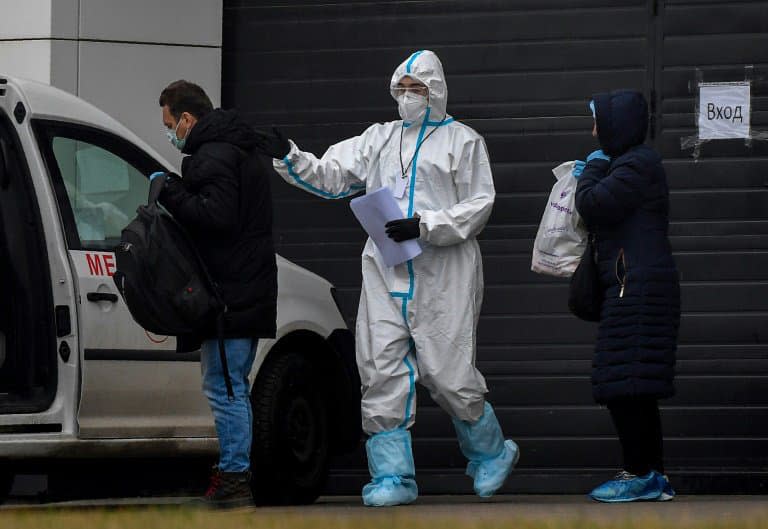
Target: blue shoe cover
pixel 390 462
pixel 390 491
pixel 490 475
pixel 626 487
pixel 667 492
pixel 491 458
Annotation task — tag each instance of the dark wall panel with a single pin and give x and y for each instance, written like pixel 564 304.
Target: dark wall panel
pixel 720 204
pixel 521 72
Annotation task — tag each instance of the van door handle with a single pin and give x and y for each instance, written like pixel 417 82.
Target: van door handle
pixel 101 296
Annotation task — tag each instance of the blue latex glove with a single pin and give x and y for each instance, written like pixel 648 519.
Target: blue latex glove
pixel 599 154
pixel 156 174
pixel 578 168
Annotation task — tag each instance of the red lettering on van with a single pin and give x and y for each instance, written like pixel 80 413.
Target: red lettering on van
pixel 94 264
pixel 101 264
pixel 109 264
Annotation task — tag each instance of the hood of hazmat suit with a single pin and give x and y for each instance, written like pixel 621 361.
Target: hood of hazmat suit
pixel 425 67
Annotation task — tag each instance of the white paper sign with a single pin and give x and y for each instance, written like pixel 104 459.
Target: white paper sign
pixel 724 111
pixel 374 210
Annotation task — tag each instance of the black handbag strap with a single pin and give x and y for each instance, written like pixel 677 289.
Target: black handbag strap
pixel 592 246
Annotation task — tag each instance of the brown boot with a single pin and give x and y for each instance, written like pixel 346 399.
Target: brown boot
pixel 228 490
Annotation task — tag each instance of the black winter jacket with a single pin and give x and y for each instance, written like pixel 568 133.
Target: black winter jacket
pixel 625 203
pixel 224 202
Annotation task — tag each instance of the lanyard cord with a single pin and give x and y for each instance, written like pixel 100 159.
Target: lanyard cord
pixel 418 146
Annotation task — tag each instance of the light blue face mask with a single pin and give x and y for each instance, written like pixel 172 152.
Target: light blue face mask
pixel 174 139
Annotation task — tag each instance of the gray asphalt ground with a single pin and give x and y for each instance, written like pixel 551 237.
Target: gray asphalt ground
pixel 532 507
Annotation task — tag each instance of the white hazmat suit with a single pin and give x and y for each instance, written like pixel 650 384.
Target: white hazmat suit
pixel 416 321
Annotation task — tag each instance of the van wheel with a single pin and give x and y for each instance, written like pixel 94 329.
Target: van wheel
pixel 290 450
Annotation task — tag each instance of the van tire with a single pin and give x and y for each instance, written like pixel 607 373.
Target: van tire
pixel 291 445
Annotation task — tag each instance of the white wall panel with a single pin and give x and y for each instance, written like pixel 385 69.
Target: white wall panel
pixel 25 19
pixel 30 59
pixel 125 80
pixel 63 70
pixel 196 22
pixel 64 18
pixel 182 39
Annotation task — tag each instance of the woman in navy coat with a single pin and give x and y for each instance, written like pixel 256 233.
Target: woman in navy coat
pixel 622 196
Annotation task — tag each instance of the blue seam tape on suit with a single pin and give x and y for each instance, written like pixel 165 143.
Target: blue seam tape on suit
pixel 411 370
pixel 440 123
pixel 352 190
pixel 410 61
pixel 416 161
pixel 411 275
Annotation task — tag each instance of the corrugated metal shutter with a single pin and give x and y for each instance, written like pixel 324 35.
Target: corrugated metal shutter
pixel 720 235
pixel 520 73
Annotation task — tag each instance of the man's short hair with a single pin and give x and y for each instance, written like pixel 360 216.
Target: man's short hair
pixel 183 96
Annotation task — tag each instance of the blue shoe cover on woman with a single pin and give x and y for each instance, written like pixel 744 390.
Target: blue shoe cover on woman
pixel 626 487
pixel 667 492
pixel 390 462
pixel 491 458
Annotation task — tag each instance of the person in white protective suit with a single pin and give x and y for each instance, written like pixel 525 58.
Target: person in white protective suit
pixel 416 321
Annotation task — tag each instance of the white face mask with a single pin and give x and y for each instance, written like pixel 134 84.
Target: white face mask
pixel 411 106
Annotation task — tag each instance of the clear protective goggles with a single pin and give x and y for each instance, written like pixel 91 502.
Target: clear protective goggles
pixel 414 89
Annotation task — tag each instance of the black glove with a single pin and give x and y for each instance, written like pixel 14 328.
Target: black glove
pixel 403 229
pixel 275 145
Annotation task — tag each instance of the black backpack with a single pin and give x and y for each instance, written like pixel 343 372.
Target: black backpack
pixel 163 279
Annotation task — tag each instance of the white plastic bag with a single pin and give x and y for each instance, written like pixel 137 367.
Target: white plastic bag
pixel 562 236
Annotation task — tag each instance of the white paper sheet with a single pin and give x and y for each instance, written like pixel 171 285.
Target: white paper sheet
pixel 373 211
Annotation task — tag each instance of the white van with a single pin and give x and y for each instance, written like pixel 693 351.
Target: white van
pixel 78 378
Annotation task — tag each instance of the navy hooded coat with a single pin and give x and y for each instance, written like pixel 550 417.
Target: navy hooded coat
pixel 625 203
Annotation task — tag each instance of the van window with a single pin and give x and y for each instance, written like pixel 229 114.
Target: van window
pixel 100 180
pixel 102 188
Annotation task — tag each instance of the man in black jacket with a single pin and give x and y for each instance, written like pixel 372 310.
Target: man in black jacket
pixel 223 200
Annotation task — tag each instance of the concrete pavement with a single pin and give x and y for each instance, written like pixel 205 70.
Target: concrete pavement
pixel 529 507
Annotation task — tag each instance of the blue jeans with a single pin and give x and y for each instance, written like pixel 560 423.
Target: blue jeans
pixel 234 419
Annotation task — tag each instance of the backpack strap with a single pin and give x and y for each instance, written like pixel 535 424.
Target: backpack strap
pixel 155 188
pixel 223 355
